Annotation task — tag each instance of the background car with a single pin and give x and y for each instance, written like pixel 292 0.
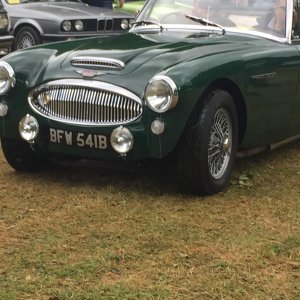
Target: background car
pixel 192 81
pixel 6 40
pixel 37 21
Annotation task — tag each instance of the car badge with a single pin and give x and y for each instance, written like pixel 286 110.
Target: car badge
pixel 89 73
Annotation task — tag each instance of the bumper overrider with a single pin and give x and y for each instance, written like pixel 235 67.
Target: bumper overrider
pixel 87 118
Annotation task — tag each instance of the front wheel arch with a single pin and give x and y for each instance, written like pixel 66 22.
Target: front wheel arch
pixel 27 22
pixel 238 98
pixel 33 29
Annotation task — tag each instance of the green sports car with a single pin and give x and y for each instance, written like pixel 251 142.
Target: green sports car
pixel 202 81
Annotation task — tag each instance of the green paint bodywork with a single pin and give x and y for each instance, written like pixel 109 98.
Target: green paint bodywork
pixel 262 75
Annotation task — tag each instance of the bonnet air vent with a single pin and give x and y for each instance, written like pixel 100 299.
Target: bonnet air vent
pixel 97 63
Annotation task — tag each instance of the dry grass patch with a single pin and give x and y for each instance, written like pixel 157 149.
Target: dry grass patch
pixel 89 231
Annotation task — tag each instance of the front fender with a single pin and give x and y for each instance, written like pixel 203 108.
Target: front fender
pixel 194 79
pixel 42 26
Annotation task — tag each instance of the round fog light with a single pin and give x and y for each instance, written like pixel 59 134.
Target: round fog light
pixel 121 140
pixel 157 127
pixel 28 128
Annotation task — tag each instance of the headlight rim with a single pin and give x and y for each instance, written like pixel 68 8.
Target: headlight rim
pixel 11 77
pixel 174 93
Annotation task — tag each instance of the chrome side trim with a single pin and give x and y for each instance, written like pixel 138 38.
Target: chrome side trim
pixel 252 151
pixel 285 142
pixel 264 76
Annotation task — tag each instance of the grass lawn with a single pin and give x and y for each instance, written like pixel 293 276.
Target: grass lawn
pixel 132 6
pixel 90 231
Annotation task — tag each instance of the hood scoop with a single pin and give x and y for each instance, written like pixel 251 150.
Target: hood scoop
pixel 97 63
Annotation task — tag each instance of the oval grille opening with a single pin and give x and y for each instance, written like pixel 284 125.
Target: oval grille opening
pixel 85 102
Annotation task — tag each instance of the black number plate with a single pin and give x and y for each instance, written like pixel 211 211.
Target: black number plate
pixel 78 139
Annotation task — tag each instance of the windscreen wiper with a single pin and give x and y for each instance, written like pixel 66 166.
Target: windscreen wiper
pixel 206 22
pixel 148 22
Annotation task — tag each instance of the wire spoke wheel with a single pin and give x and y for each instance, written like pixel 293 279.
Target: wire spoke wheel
pixel 220 144
pixel 207 153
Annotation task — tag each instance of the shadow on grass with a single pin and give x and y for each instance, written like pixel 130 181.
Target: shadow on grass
pixel 152 177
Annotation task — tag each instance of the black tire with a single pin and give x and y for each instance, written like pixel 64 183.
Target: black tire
pixel 207 152
pixel 26 37
pixel 21 157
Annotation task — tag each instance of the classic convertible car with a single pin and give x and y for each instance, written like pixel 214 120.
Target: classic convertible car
pixel 201 81
pixel 39 21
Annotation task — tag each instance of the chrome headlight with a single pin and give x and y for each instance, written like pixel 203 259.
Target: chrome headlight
pixel 7 77
pixel 79 25
pixel 161 93
pixel 67 25
pixel 124 24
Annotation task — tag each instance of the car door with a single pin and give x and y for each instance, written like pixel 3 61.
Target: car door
pixel 271 92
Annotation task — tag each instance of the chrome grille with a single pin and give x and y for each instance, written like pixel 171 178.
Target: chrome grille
pixel 85 102
pixel 98 63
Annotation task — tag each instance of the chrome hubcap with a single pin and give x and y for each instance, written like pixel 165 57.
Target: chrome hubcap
pixel 220 144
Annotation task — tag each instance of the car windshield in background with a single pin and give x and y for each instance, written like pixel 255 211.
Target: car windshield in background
pixel 268 16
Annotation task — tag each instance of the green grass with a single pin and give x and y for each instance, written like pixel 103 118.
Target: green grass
pixel 132 7
pixel 90 231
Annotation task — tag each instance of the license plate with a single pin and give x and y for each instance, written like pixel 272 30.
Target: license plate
pixel 78 139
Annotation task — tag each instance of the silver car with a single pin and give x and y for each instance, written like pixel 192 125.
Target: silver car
pixel 39 21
